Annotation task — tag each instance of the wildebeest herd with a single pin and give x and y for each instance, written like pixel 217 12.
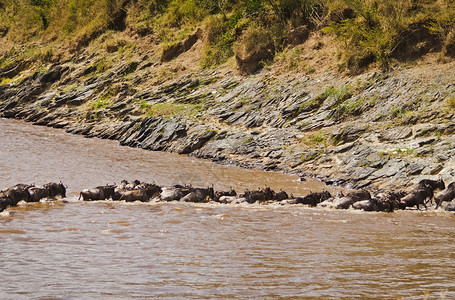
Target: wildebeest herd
pixel 12 195
pixel 380 200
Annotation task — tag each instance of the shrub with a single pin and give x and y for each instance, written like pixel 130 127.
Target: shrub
pixel 254 48
pixel 221 34
pixel 450 102
pixel 449 45
pixel 100 103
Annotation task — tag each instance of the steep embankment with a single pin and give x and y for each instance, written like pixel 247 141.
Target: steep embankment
pixel 278 90
pixel 385 129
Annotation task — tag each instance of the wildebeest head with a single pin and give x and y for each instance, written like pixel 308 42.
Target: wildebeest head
pixel 152 190
pixel 122 184
pixel 5 201
pixel 432 184
pixel 56 189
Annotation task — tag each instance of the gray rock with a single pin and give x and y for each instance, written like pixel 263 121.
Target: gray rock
pixel 391 168
pixel 415 168
pixel 349 133
pixel 395 133
pixel 196 141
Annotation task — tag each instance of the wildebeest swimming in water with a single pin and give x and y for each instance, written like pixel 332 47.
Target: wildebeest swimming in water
pixel 143 194
pixel 262 194
pixel 422 192
pixel 97 193
pixel 385 201
pixel 199 195
pixel 174 193
pixel 219 194
pixel 351 197
pixel 56 189
pixel 37 193
pixel 314 199
pixel 12 195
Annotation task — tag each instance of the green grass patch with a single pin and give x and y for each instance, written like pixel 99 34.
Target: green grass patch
pixel 450 102
pixel 310 156
pixel 399 152
pixel 314 139
pixel 349 108
pixel 99 103
pixel 172 109
pixel 372 32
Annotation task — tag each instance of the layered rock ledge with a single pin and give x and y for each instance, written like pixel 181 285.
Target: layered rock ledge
pixel 384 130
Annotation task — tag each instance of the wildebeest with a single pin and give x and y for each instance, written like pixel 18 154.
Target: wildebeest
pixel 16 193
pixel 418 196
pixel 37 193
pixel 143 194
pixel 281 195
pixel 49 190
pixel 446 195
pixel 433 184
pixel 174 193
pixel 219 194
pixel 388 200
pixel 231 200
pixel 314 199
pixel 5 201
pixel 258 195
pixel 199 195
pixel 124 186
pixel 56 189
pixel 98 193
pixel 344 202
pixel 422 191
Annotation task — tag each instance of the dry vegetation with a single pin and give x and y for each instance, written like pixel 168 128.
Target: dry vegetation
pixel 255 32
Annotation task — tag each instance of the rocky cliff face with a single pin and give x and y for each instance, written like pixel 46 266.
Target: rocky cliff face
pixel 380 129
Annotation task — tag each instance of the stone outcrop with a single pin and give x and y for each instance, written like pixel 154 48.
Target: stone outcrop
pixel 392 129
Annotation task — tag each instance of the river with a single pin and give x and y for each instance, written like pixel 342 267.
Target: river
pixel 106 250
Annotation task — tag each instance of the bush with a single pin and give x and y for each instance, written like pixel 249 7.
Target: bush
pixel 369 31
pixel 449 44
pixel 254 48
pixel 221 34
pixel 380 31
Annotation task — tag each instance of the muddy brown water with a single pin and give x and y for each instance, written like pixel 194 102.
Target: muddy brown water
pixel 105 250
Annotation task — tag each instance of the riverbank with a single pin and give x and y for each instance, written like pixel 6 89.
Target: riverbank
pixel 354 94
pixel 385 130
